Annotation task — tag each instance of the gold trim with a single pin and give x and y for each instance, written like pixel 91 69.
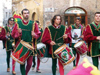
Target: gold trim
pixel 25 24
pixel 26 45
pixel 51 46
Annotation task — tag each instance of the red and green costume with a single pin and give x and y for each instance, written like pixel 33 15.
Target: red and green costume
pixel 38 59
pixel 52 33
pixel 92 31
pixel 75 62
pixel 8 45
pixel 26 36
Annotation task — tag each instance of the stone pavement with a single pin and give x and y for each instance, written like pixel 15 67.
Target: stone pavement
pixel 44 67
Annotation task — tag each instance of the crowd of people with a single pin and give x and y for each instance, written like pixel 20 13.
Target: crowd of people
pixel 53 36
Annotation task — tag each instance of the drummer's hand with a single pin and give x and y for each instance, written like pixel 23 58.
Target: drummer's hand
pixel 8 34
pixel 52 43
pixel 82 36
pixel 19 30
pixel 98 38
pixel 33 33
pixel 65 36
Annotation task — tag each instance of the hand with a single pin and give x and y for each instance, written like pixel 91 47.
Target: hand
pixel 19 30
pixel 98 38
pixel 52 43
pixel 33 33
pixel 65 36
pixel 8 34
pixel 82 36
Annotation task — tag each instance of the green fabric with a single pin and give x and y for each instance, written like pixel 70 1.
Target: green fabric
pixel 55 34
pixel 95 44
pixel 97 26
pixel 75 26
pixel 54 65
pixel 22 69
pixel 34 63
pixel 9 42
pixel 39 39
pixel 74 52
pixel 26 30
pixel 8 58
pixel 95 61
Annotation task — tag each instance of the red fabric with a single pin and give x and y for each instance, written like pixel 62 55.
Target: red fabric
pixel 2 34
pixel 29 64
pixel 46 38
pixel 17 16
pixel 89 37
pixel 38 63
pixel 61 69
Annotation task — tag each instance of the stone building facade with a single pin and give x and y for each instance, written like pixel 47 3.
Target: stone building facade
pixel 68 9
pixel 61 6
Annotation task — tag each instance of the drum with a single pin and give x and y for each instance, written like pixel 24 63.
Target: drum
pixel 64 54
pixel 22 52
pixel 41 50
pixel 81 47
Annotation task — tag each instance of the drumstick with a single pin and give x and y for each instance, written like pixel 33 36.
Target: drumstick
pixel 60 37
pixel 55 35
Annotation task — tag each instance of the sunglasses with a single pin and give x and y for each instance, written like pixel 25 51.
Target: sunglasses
pixel 11 20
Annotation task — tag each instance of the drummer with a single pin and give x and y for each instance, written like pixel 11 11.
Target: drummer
pixel 27 31
pixel 92 37
pixel 50 36
pixel 76 36
pixel 8 44
pixel 38 59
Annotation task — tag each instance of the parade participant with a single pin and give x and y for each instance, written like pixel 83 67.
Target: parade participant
pixel 27 31
pixel 38 59
pixel 8 44
pixel 92 37
pixel 76 35
pixel 50 36
pixel 2 33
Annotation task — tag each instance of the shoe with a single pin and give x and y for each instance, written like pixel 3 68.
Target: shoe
pixel 38 71
pixel 13 72
pixel 8 69
pixel 33 68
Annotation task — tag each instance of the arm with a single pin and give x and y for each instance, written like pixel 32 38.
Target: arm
pixel 36 32
pixel 15 33
pixel 89 37
pixel 46 36
pixel 68 32
pixel 3 34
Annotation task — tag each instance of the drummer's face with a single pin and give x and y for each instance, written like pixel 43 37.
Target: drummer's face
pixel 77 22
pixel 58 20
pixel 25 14
pixel 97 17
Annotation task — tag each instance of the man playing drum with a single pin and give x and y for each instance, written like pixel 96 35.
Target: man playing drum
pixel 27 31
pixel 76 31
pixel 8 44
pixel 92 37
pixel 54 36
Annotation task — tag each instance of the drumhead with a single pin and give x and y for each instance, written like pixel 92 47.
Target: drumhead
pixel 40 45
pixel 27 45
pixel 78 44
